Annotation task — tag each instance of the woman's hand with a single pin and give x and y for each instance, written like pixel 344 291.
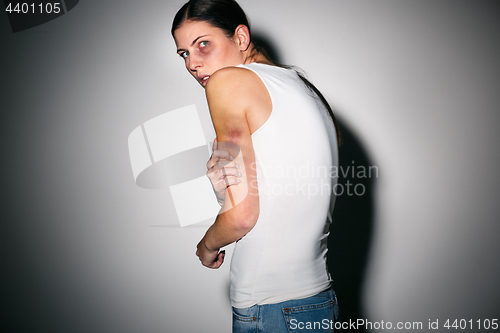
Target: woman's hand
pixel 222 172
pixel 209 258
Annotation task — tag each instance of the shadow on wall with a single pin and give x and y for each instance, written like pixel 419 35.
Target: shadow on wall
pixel 353 216
pixel 352 227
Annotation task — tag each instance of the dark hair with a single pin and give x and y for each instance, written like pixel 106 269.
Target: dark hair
pixel 223 14
pixel 227 15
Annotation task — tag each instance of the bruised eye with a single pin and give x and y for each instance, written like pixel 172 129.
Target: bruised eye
pixel 184 54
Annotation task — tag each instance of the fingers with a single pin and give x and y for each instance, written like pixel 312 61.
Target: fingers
pixel 223 169
pixel 221 186
pixel 221 180
pixel 230 181
pixel 222 154
pixel 230 169
pixel 218 155
pixel 218 260
pixel 224 165
pixel 216 263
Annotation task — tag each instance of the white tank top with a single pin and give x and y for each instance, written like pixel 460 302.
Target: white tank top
pixel 284 256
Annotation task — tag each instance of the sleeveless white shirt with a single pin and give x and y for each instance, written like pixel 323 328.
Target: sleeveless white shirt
pixel 284 256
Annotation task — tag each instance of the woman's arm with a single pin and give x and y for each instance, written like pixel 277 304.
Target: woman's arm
pixel 232 93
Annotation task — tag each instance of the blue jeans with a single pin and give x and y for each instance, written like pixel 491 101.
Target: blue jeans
pixel 317 313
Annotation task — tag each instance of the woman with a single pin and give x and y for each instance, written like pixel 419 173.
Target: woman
pixel 269 188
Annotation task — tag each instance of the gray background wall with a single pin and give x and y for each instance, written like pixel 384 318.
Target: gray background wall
pixel 84 249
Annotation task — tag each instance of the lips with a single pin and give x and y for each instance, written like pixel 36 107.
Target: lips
pixel 203 79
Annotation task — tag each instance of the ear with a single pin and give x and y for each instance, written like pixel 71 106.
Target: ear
pixel 242 36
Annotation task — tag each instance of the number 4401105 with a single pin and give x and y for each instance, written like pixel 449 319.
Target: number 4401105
pixel 479 324
pixel 25 8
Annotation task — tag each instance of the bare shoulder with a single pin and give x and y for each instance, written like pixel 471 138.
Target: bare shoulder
pixel 235 86
pixel 233 78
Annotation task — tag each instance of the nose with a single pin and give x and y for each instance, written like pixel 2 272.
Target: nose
pixel 194 63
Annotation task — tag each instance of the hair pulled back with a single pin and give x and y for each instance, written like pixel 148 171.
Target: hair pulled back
pixel 222 14
pixel 227 15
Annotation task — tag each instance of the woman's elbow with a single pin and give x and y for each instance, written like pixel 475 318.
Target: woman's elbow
pixel 247 220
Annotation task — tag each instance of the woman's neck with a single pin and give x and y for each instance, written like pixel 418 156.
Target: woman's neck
pixel 256 56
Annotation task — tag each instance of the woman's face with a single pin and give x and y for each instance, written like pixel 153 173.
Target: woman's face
pixel 206 49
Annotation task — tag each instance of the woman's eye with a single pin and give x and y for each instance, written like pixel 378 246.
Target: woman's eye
pixel 204 43
pixel 184 54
